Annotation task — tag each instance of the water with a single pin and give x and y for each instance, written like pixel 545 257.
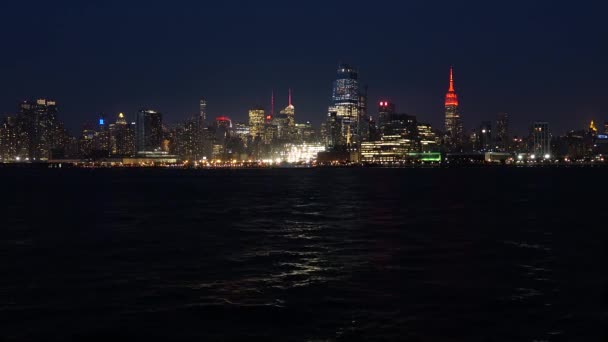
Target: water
pixel 472 254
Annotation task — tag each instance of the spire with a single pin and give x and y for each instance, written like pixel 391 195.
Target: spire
pixel 451 79
pixel 451 99
pixel 272 103
pixel 290 97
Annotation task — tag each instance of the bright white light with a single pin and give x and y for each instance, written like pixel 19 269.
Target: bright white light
pixel 533 156
pixel 547 156
pixel 520 157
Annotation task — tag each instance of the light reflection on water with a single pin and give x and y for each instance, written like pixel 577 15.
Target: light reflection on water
pixel 354 254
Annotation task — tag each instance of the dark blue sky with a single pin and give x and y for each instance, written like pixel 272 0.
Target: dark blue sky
pixel 537 60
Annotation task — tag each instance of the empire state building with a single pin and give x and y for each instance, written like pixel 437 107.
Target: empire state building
pixel 453 123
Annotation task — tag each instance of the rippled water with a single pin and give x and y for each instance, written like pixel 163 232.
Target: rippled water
pixel 305 255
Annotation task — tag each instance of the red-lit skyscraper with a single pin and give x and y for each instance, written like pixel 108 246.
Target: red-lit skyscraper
pixel 453 123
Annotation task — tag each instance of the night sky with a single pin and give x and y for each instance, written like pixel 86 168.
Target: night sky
pixel 537 60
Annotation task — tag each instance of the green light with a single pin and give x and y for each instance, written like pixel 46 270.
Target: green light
pixel 427 157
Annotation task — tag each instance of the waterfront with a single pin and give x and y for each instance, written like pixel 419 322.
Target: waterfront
pixel 325 254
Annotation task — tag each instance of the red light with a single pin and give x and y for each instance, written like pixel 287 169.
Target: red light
pixel 269 117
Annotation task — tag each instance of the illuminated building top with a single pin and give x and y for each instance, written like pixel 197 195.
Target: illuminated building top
pixel 451 99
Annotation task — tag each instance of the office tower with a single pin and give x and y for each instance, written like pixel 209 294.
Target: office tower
pixel 427 139
pixel 400 124
pixel 257 117
pixel 242 131
pixel 223 126
pixel 8 140
pixel 185 139
pixel 149 131
pixel 334 131
pixel 285 121
pixel 102 141
pixel 39 129
pixel 123 137
pixel 502 137
pixel 485 141
pixel 365 121
pixel 202 116
pixel 346 103
pixel 453 123
pixel 306 133
pixel 290 112
pixel 541 147
pixel 385 110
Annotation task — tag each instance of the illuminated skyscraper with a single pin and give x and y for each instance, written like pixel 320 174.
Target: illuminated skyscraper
pixel 257 117
pixel 286 121
pixel 149 131
pixel 453 123
pixel 346 103
pixel 290 111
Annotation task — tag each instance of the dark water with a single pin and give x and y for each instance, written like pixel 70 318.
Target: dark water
pixel 304 255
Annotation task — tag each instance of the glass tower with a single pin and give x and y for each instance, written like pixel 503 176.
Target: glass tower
pixel 345 102
pixel 149 131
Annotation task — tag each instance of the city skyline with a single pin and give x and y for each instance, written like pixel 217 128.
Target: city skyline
pixel 92 59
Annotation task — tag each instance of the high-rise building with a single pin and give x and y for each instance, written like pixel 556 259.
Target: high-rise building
pixel 453 123
pixel 202 116
pixel 40 132
pixel 8 140
pixel 365 121
pixel 385 110
pixel 122 137
pixel 290 112
pixel 346 103
pixel 306 133
pixel 149 131
pixel 223 128
pixel 485 139
pixel 257 117
pixel 427 139
pixel 503 140
pixel 541 136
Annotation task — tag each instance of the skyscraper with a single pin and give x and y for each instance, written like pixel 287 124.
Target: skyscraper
pixel 290 112
pixel 149 131
pixel 123 137
pixel 485 137
pixel 453 123
pixel 385 111
pixel 202 117
pixel 286 121
pixel 346 102
pixel 257 116
pixel 39 129
pixel 365 122
pixel 502 132
pixel 541 140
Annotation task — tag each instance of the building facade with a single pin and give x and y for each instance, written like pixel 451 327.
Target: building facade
pixel 453 123
pixel 149 131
